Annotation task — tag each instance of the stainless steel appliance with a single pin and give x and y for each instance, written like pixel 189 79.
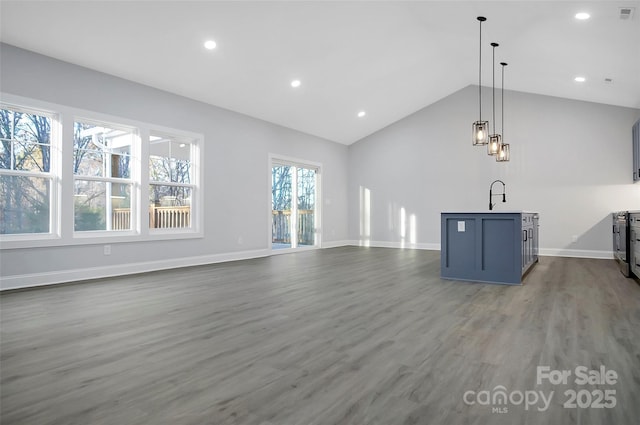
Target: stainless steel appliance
pixel 634 243
pixel 621 243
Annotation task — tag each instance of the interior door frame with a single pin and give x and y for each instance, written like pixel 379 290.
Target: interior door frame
pixel 275 159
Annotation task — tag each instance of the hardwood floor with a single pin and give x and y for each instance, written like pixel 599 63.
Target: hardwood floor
pixel 337 336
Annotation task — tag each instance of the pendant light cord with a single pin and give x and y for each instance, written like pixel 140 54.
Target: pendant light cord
pixel 502 108
pixel 493 95
pixel 480 73
pixel 493 100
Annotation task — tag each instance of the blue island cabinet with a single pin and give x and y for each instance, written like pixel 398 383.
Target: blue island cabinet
pixel 492 247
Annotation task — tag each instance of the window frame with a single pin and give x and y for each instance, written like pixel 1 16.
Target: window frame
pixel 276 159
pixel 53 175
pixel 62 232
pixel 133 180
pixel 195 185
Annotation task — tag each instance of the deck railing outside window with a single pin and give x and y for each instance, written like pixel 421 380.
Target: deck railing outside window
pixel 159 217
pixel 282 223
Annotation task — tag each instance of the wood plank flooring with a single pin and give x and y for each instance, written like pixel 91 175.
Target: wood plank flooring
pixel 337 336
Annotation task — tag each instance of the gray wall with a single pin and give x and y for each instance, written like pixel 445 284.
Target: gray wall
pixel 571 161
pixel 235 164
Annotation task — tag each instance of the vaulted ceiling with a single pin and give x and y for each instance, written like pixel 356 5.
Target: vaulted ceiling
pixel 387 58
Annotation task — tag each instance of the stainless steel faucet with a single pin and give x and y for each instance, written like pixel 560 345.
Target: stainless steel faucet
pixel 491 195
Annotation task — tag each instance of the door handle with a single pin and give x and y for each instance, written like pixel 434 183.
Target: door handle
pixel 525 235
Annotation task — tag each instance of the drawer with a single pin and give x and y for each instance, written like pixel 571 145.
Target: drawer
pixel 634 242
pixel 634 236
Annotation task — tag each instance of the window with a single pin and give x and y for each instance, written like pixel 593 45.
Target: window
pixel 103 185
pixel 70 177
pixel 26 178
pixel 171 187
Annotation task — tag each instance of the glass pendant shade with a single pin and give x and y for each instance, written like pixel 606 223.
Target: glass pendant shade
pixel 480 132
pixel 503 153
pixel 495 141
pixel 480 129
pixel 503 149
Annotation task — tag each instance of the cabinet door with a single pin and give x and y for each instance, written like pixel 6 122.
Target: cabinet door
pixel 525 241
pixel 525 254
pixel 529 240
pixel 535 241
pixel 634 244
pixel 530 244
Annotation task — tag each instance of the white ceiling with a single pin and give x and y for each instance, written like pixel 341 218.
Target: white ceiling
pixel 389 58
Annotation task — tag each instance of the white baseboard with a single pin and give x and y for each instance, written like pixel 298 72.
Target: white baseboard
pixel 398 245
pixel 576 253
pixel 547 252
pixel 64 276
pixel 336 244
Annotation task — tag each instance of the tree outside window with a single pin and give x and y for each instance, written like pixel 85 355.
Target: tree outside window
pixel 25 172
pixel 170 181
pixel 105 180
pixel 102 177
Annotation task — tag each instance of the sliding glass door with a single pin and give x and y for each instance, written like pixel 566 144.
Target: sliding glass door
pixel 281 195
pixel 294 191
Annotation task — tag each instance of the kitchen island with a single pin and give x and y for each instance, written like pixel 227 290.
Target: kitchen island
pixel 492 247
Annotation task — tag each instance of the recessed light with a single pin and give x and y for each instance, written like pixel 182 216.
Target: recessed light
pixel 295 83
pixel 210 44
pixel 361 114
pixel 582 16
pixel 580 79
pixel 182 145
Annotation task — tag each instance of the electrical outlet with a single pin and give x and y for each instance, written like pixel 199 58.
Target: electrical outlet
pixel 107 250
pixel 240 240
pixel 574 238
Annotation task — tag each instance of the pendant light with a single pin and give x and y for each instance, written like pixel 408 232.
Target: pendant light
pixel 495 140
pixel 480 129
pixel 503 150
